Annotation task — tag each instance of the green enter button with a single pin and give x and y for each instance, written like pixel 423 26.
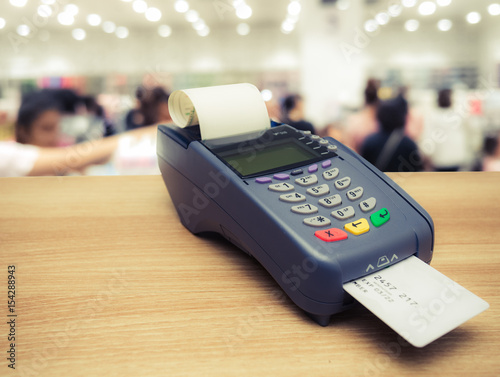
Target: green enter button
pixel 380 217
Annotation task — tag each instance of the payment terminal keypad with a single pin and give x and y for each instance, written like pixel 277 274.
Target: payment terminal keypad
pixel 330 196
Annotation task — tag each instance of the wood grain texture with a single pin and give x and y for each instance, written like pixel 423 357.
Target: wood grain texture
pixel 110 284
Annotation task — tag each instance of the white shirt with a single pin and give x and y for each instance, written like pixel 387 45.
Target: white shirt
pixel 445 139
pixel 16 160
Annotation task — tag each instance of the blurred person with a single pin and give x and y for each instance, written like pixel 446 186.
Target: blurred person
pixel 334 130
pixel 364 122
pixel 78 123
pixel 446 132
pixel 17 160
pixel 390 149
pixel 491 159
pixel 273 109
pixel 68 100
pixel 152 108
pixel 293 113
pixel 95 110
pixel 56 117
pixel 38 121
pixel 414 122
pixel 401 98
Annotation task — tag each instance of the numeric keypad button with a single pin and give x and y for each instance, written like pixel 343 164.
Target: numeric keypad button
pixel 305 209
pixel 355 193
pixel 319 190
pixel 331 201
pixel 331 173
pixel 293 197
pixel 308 180
pixel 344 213
pixel 317 221
pixel 342 183
pixel 281 187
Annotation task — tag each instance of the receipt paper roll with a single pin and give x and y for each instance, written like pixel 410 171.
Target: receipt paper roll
pixel 220 111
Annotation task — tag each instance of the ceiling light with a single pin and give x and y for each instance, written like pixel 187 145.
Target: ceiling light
pixel 494 9
pixel 412 25
pixel 395 10
pixel 267 95
pixel 343 4
pixel 199 24
pixel 79 34
pixel 382 18
pixel 121 32
pixel 44 11
pixel 444 25
pixel 204 32
pixel 443 3
pixel 153 14
pixel 65 18
pixel 294 8
pixel 164 31
pixel 192 16
pixel 71 9
pixel 287 27
pixel 2 23
pixel 181 6
pixel 108 27
pixel 371 26
pixel 244 12
pixel 409 3
pixel 94 19
pixel 23 30
pixel 427 8
pixel 243 28
pixel 473 18
pixel 18 3
pixel 139 6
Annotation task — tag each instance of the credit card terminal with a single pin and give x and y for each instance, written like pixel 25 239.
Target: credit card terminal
pixel 311 211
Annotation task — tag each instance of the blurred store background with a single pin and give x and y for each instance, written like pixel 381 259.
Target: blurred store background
pixel 110 66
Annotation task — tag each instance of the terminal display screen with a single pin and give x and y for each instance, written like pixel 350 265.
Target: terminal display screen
pixel 263 158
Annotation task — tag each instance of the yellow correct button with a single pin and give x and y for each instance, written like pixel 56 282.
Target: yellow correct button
pixel 357 227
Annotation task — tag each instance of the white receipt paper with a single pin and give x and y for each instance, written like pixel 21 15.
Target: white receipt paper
pixel 415 300
pixel 221 111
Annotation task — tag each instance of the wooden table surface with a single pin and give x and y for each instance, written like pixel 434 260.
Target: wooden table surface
pixel 108 283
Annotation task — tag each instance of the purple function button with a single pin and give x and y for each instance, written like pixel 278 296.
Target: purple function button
pixel 263 180
pixel 281 176
pixel 312 168
pixel 326 164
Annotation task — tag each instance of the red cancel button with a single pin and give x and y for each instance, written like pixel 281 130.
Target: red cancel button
pixel 331 235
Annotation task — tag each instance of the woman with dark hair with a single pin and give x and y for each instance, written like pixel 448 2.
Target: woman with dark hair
pixel 293 113
pixel 38 121
pixel 152 108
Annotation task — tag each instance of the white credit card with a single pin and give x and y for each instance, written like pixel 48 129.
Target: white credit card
pixel 415 300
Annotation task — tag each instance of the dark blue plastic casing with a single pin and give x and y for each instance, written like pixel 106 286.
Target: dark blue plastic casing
pixel 210 197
